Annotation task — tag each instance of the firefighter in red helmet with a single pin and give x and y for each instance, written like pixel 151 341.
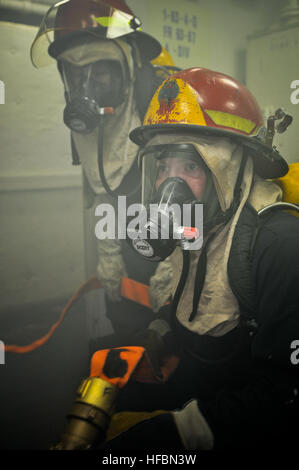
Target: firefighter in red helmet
pixel 234 313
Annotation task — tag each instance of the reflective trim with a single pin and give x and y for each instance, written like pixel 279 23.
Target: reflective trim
pixel 231 120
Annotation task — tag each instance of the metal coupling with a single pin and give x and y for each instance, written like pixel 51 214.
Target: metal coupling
pixel 90 415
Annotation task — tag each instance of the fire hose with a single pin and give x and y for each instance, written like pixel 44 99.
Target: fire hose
pixel 110 370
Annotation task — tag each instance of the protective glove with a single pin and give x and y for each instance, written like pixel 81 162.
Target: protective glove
pixel 161 348
pixel 111 267
pixel 183 429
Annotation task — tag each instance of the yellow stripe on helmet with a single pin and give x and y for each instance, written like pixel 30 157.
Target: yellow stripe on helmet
pixel 231 120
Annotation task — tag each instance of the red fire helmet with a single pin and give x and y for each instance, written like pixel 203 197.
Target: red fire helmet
pixel 201 101
pixel 67 21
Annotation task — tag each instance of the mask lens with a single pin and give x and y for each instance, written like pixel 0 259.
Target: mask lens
pixel 174 213
pixel 101 82
pixel 185 167
pixel 106 83
pixel 168 161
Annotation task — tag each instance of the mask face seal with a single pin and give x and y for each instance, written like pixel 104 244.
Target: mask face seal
pixel 173 218
pixel 176 175
pixel 90 87
pixel 171 174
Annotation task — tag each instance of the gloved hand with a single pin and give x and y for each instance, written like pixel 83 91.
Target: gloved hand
pixel 183 429
pixel 161 348
pixel 111 267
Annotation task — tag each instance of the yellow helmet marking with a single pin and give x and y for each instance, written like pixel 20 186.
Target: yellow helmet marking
pixel 175 101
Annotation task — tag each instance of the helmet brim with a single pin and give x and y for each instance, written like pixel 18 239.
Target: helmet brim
pixel 148 46
pixel 268 163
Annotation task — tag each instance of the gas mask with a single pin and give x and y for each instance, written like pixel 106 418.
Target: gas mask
pixel 88 90
pixel 98 77
pixel 179 198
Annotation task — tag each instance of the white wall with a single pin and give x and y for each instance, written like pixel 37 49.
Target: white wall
pixel 221 32
pixel 31 119
pixel 41 239
pixel 272 66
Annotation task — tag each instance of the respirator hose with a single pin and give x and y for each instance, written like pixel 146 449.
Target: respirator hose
pixel 112 192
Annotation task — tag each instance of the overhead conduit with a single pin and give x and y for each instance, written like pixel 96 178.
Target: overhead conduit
pixel 24 11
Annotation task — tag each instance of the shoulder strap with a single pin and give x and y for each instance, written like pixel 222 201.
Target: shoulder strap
pixel 239 262
pixel 240 259
pixel 279 205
